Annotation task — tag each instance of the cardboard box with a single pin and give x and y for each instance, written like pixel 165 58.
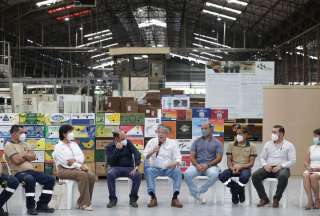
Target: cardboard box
pixel 154 102
pixel 177 92
pixel 114 104
pixel 124 102
pixel 101 169
pixel 131 107
pixel 165 91
pixel 153 95
pixel 142 108
pixel 152 112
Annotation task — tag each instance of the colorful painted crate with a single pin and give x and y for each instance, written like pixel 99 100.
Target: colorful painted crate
pixel 58 118
pixel 105 131
pixel 83 118
pixel 132 119
pixel 131 130
pixel 37 144
pixel 100 155
pixel 83 131
pixel 32 118
pixel 86 143
pixel 40 156
pixel 39 167
pixel 50 144
pixel 100 119
pixel 35 131
pixel 9 118
pixel 112 119
pixel 101 144
pixel 52 131
pixel 48 157
pixel 5 131
pixel 101 169
pixel 88 155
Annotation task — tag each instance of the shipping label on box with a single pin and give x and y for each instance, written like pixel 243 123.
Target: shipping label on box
pixel 35 131
pixel 40 156
pixel 196 126
pixel 100 119
pixel 112 119
pixel 171 125
pixel 184 129
pixel 132 119
pixel 50 144
pixel 151 126
pixel 9 118
pixel 100 156
pixel 39 167
pixel 82 131
pixel 48 157
pixel 37 144
pixel 132 130
pixel 105 131
pixel 5 131
pixel 184 145
pixel 101 144
pixel 52 132
pixel 88 155
pixel 58 118
pixel 138 142
pixel 83 118
pixel 86 143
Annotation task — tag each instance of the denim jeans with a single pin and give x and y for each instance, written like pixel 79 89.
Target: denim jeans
pixel 152 173
pixel 212 173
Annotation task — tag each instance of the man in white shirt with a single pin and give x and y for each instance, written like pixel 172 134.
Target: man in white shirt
pixel 163 158
pixel 277 157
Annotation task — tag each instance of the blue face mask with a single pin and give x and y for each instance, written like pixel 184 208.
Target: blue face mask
pixel 205 132
pixel 316 140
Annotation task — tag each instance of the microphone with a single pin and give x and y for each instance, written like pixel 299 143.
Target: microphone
pixel 159 145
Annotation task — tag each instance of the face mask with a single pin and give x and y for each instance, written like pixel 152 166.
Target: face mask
pixel 316 140
pixel 239 138
pixel 274 137
pixel 205 132
pixel 22 137
pixel 124 142
pixel 70 136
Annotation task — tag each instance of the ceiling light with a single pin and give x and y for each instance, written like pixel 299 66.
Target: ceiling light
pixel 199 56
pixel 98 55
pixel 97 33
pixel 110 63
pixel 66 19
pixel 95 42
pixel 237 2
pixel 198 61
pixel 208 4
pixel 110 45
pixel 47 2
pixel 200 35
pixel 219 18
pixel 219 15
pixel 152 22
pixel 104 59
pixel 99 36
pixel 212 55
pixel 211 42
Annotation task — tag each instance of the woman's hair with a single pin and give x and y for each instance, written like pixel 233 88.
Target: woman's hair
pixel 63 130
pixel 317 131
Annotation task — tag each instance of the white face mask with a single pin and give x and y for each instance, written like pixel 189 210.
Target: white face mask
pixel 316 140
pixel 22 137
pixel 239 138
pixel 274 137
pixel 70 136
pixel 124 142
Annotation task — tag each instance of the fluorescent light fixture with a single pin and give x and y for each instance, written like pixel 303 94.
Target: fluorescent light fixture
pixel 145 56
pixel 110 45
pixel 211 42
pixel 237 2
pixel 204 36
pixel 95 42
pixel 47 2
pixel 99 36
pixel 66 19
pixel 42 86
pixel 299 47
pixel 199 56
pixel 104 59
pixel 219 15
pixel 208 4
pixel 102 54
pixel 97 33
pixel 110 63
pixel 212 55
pixel 152 22
pixel 198 61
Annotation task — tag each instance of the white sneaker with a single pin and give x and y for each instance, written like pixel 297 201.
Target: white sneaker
pixel 87 208
pixel 200 199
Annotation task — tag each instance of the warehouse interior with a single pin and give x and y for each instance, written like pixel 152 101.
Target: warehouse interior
pixel 104 65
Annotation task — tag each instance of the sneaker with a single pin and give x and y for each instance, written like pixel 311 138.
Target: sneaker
pixel 3 213
pixel 234 196
pixel 133 204
pixel 32 211
pixel 199 199
pixel 44 209
pixel 242 194
pixel 112 203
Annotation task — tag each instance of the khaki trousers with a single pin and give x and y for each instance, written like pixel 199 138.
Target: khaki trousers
pixel 85 182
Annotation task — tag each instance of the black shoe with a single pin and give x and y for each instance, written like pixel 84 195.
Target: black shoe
pixel 133 204
pixel 32 211
pixel 234 194
pixel 3 213
pixel 112 203
pixel 44 209
pixel 242 194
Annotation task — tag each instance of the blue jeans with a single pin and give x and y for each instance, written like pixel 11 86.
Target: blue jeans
pixel 212 173
pixel 152 173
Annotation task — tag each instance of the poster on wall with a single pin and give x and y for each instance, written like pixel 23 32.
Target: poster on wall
pixel 184 145
pixel 184 130
pixel 238 87
pixel 175 102
pixel 150 127
pixel 196 126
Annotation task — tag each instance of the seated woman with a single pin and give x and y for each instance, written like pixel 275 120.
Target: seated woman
pixel 70 162
pixel 311 176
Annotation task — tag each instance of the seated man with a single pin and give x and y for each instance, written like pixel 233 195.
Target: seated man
pixel 10 184
pixel 240 159
pixel 123 159
pixel 163 157
pixel 206 153
pixel 20 156
pixel 277 157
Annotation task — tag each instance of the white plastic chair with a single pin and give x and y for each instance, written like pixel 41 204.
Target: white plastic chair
pixel 70 188
pixel 272 182
pixel 248 189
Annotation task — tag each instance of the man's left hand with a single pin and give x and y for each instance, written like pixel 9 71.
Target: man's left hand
pixel 134 171
pixel 276 169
